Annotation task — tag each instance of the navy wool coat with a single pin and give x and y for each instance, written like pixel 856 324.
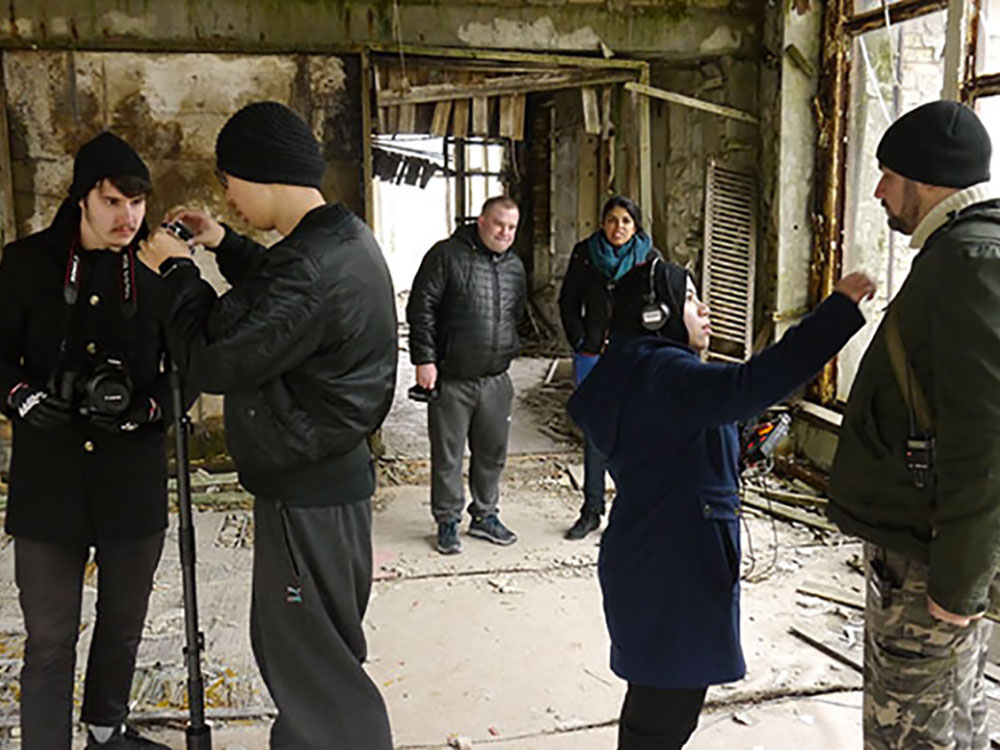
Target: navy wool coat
pixel 669 563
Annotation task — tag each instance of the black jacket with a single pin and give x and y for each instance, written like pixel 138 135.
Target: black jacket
pixel 464 307
pixel 304 348
pixel 585 301
pixel 60 491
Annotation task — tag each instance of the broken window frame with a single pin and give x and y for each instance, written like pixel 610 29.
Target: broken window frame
pixel 840 26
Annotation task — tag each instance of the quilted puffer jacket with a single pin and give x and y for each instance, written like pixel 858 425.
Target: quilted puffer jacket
pixel 464 307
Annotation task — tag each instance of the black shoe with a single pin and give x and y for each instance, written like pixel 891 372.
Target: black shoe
pixel 492 530
pixel 127 739
pixel 587 522
pixel 448 542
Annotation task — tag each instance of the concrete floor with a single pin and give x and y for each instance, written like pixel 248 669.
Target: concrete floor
pixel 503 646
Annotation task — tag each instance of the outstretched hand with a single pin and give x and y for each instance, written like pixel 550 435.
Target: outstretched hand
pixel 856 287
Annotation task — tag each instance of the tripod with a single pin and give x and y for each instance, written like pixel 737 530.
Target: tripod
pixel 199 734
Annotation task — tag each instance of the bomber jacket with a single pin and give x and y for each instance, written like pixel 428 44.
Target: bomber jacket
pixel 79 484
pixel 464 307
pixel 304 348
pixel 585 301
pixel 949 321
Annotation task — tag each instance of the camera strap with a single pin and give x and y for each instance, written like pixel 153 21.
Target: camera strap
pixel 919 449
pixel 127 289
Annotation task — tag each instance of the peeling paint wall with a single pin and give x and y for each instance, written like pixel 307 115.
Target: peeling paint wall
pixel 170 107
pixel 685 139
pixel 676 28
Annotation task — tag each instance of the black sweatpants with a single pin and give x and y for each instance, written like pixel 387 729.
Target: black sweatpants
pixel 50 583
pixel 657 718
pixel 477 409
pixel 312 573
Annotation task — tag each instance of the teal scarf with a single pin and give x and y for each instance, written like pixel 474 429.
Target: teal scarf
pixel 614 262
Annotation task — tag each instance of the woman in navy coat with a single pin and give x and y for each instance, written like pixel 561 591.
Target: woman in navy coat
pixel 669 563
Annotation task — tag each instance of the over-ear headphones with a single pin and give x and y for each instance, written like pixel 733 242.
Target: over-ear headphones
pixel 655 313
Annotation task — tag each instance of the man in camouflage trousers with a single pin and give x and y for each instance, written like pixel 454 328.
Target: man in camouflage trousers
pixel 915 473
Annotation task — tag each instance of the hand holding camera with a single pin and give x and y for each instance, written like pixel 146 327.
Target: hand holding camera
pixel 142 410
pixel 203 228
pixel 38 407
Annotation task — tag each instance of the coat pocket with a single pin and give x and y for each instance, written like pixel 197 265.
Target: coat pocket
pixel 720 509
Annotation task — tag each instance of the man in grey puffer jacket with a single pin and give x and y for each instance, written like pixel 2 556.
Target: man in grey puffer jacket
pixel 467 298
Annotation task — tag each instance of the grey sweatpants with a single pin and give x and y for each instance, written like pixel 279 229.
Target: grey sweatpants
pixel 312 573
pixel 477 410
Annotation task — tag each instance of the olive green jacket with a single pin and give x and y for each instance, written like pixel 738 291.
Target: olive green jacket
pixel 949 321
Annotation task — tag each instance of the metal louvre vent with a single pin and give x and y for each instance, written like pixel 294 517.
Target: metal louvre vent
pixel 728 260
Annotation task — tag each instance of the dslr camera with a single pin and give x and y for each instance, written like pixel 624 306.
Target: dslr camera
pixel 105 388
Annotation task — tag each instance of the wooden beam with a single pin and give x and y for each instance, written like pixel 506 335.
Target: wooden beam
pixel 790 514
pixel 512 116
pixel 460 118
pixel 407 112
pixel 832 594
pixel 460 53
pixel 645 157
pixel 591 110
pixel 826 644
pixel 689 101
pixel 480 115
pixel 366 139
pixel 521 84
pixel 442 117
pixel 9 226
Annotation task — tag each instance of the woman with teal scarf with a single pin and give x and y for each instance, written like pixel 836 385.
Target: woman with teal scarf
pixel 595 265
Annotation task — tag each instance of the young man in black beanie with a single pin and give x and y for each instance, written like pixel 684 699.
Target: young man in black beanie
pixel 915 471
pixel 86 471
pixel 304 348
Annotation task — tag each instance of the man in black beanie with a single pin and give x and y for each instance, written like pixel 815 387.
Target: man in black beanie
pixel 915 471
pixel 87 471
pixel 304 348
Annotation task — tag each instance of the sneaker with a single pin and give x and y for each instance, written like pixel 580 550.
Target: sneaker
pixel 448 542
pixel 125 738
pixel 492 530
pixel 587 522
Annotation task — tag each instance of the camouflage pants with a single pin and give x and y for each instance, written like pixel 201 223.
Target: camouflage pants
pixel 924 679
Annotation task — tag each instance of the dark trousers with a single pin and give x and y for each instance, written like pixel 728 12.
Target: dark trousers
pixel 657 718
pixel 594 466
pixel 477 410
pixel 312 574
pixel 50 583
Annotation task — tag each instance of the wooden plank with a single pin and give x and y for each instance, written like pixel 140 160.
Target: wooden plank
pixel 460 118
pixel 587 196
pixel 461 53
pixel 480 115
pixel 591 112
pixel 442 117
pixel 517 84
pixel 645 162
pixel 833 594
pixel 367 77
pixel 793 498
pixel 825 644
pixel 392 113
pixel 512 116
pixel 6 168
pixel 790 514
pixel 689 101
pixel 407 112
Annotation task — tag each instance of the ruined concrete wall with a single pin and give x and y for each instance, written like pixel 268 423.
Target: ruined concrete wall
pixel 679 28
pixel 685 139
pixel 170 107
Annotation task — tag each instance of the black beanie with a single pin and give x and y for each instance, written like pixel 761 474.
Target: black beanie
pixel 105 156
pixel 268 142
pixel 940 143
pixel 632 294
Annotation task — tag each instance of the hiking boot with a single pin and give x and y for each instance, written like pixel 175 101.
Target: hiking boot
pixel 587 522
pixel 492 530
pixel 448 542
pixel 124 738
